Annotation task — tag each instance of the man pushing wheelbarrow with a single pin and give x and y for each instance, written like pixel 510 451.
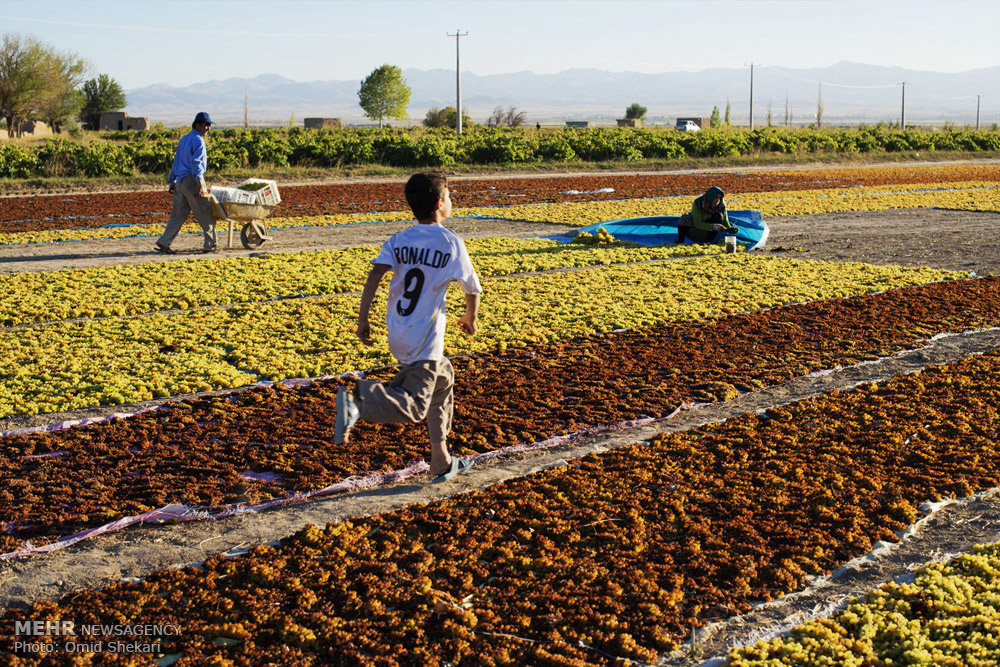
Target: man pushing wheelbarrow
pixel 187 185
pixel 249 202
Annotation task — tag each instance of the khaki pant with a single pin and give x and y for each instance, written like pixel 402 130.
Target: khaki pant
pixel 423 390
pixel 187 200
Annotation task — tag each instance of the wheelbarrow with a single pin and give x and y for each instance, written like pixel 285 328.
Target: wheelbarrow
pixel 253 233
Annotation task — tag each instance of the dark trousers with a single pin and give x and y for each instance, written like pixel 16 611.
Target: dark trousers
pixel 697 235
pixel 187 200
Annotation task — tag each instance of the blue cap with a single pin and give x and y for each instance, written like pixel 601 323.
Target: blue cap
pixel 203 117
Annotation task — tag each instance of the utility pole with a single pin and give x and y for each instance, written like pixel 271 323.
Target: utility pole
pixel 458 81
pixel 751 97
pixel 978 99
pixel 902 111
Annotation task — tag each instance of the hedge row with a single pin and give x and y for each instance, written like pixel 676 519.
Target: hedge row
pixel 152 152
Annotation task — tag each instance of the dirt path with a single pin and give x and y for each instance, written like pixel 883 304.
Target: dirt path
pixel 139 250
pixel 957 240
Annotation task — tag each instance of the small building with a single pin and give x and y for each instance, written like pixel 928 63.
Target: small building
pixel 322 123
pixel 111 121
pixel 578 124
pixel 629 122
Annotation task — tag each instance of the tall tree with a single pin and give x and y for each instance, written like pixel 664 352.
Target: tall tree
pixel 728 110
pixel 63 99
pixel 23 79
pixel 715 120
pixel 101 95
pixel 384 94
pixel 819 107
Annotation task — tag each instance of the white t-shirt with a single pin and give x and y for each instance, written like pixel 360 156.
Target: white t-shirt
pixel 424 259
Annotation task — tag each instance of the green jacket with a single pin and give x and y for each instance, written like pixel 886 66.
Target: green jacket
pixel 699 219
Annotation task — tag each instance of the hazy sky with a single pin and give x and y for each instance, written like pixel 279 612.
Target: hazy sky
pixel 178 42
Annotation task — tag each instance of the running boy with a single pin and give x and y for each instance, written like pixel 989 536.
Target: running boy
pixel 423 260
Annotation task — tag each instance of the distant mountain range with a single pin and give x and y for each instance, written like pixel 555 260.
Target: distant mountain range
pixel 851 93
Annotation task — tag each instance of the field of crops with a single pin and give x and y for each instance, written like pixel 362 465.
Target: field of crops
pixel 613 557
pixel 152 152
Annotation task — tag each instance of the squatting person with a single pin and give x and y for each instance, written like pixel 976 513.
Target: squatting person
pixel 423 259
pixel 708 217
pixel 187 185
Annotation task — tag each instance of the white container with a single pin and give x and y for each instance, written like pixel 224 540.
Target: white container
pixel 233 195
pixel 267 195
pixel 730 243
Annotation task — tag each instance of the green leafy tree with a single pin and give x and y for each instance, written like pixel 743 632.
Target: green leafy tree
pixel 446 118
pixel 715 120
pixel 384 94
pixel 101 95
pixel 635 111
pixel 436 117
pixel 37 83
pixel 23 79
pixel 63 98
pixel 728 117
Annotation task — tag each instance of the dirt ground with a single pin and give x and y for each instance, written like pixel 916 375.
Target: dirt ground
pixel 139 250
pixel 958 240
pixel 962 241
pixel 940 239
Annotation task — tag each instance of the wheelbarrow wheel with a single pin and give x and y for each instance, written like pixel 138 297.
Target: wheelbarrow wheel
pixel 252 235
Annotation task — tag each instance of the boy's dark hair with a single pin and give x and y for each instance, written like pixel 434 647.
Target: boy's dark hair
pixel 424 191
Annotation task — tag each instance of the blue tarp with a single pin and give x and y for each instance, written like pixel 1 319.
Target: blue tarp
pixel 660 230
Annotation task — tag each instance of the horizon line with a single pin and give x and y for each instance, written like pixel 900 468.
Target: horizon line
pixel 774 68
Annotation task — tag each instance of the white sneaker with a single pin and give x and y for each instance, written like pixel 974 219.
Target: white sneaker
pixel 347 414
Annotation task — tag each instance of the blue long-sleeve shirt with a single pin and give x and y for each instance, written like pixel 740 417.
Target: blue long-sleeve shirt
pixel 191 158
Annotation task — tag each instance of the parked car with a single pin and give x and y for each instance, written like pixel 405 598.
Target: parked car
pixel 687 126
